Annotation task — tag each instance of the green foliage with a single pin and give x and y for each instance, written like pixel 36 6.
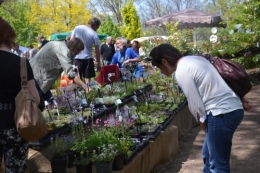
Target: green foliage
pixel 100 137
pixel 15 12
pixel 108 27
pixel 81 144
pixel 105 153
pixel 248 62
pixel 56 84
pixel 60 145
pixel 243 29
pixel 132 26
pixel 182 40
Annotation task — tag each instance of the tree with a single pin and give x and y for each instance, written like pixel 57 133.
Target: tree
pixel 246 22
pixel 56 16
pixel 150 9
pixel 132 27
pixel 108 7
pixel 15 12
pixel 220 7
pixel 107 27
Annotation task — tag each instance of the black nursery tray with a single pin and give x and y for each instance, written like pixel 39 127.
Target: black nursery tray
pixel 135 130
pixel 152 134
pixel 46 139
pixel 134 150
pixel 141 142
pixel 36 145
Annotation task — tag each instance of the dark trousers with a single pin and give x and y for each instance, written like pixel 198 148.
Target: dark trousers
pixel 43 96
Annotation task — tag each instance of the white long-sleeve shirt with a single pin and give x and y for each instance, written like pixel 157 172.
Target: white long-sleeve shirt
pixel 205 89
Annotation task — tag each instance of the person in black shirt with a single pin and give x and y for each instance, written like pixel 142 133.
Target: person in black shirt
pixel 12 146
pixel 107 51
pixel 42 41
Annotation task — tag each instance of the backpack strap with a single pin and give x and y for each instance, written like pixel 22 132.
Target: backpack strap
pixel 23 72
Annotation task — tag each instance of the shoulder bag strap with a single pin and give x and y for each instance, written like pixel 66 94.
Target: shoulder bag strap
pixel 23 72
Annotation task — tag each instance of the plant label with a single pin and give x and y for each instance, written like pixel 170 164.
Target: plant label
pixel 120 118
pixel 84 101
pixel 117 102
pixel 135 98
pixel 80 93
pixel 95 86
pixel 108 87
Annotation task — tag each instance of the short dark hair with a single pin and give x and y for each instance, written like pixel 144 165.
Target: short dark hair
pixel 7 34
pixel 75 43
pixel 94 22
pixel 31 46
pixel 40 36
pixel 167 52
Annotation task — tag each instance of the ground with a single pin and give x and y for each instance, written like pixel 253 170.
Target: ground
pixel 245 157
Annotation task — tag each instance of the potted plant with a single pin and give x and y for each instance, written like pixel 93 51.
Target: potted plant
pixel 103 157
pixel 84 164
pixel 60 145
pixel 123 146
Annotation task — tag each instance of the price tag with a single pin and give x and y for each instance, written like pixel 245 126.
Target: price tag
pixel 124 78
pixel 134 116
pixel 108 87
pixel 135 98
pixel 126 114
pixel 79 93
pixel 120 118
pixel 84 101
pixel 117 102
pixel 95 86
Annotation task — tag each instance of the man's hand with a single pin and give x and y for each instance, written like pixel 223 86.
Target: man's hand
pixel 126 61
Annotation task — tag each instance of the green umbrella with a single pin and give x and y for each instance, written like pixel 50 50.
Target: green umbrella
pixel 63 35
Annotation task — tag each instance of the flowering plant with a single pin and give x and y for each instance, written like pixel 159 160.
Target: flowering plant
pixel 60 145
pixel 105 153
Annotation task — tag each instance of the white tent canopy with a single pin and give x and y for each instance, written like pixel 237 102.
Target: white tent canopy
pixel 142 39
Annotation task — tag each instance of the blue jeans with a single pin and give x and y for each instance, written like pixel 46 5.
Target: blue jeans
pixel 218 141
pixel 139 69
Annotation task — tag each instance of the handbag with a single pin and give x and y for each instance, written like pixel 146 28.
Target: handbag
pixel 233 74
pixel 29 120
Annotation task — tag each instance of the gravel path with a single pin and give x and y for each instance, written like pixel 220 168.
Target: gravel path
pixel 245 157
